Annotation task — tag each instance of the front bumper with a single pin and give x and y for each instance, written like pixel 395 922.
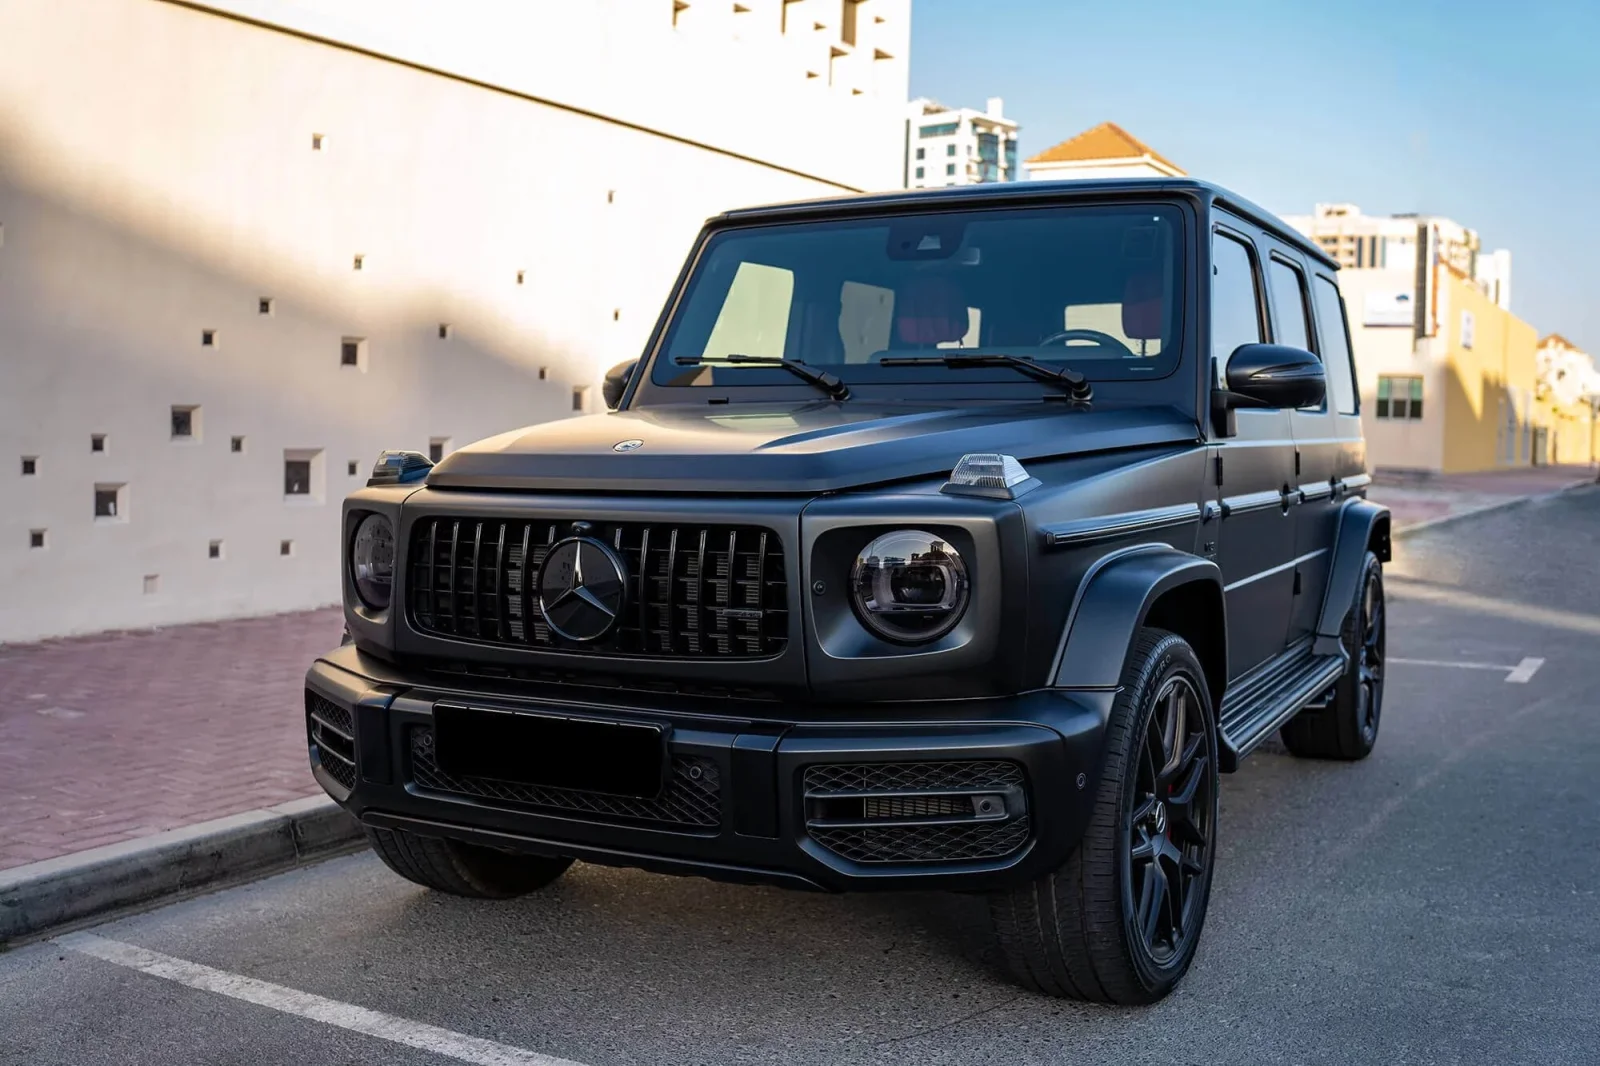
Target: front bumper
pixel 758 792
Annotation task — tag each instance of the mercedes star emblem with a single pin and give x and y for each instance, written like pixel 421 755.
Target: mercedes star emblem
pixel 627 445
pixel 583 588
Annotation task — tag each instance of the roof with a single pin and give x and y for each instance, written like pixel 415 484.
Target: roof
pixel 1105 141
pixel 1006 193
pixel 1556 338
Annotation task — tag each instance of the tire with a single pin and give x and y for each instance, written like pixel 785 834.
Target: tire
pixel 1347 727
pixel 463 869
pixel 1078 931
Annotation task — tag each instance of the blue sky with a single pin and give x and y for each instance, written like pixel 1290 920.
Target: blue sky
pixel 1486 112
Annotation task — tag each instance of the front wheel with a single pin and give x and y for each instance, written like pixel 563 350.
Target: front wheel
pixel 1119 921
pixel 463 869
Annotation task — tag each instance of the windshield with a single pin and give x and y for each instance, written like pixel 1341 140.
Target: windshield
pixel 1092 288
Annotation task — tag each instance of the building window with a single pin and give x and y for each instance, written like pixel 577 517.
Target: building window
pixel 580 397
pixel 943 130
pixel 1468 329
pixel 1399 397
pixel 208 338
pixel 297 477
pixel 358 263
pixel 214 550
pixel 236 445
pixel 444 331
pixel 97 442
pixel 317 141
pixel 438 448
pixel 285 547
pixel 949 149
pixel 353 352
pixel 950 168
pixel 922 153
pixel 352 468
pixel 36 538
pixel 919 172
pixel 30 465
pixel 111 503
pixel 265 305
pixel 185 422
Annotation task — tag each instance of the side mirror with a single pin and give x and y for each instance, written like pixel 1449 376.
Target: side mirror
pixel 1267 375
pixel 616 382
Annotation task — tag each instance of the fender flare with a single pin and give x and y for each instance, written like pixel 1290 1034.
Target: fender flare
pixel 1361 523
pixel 1113 600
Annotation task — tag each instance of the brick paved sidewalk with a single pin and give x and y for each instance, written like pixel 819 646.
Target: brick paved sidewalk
pixel 1419 498
pixel 116 736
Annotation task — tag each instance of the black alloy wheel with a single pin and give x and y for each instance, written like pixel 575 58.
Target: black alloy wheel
pixel 1370 655
pixel 1345 725
pixel 1170 832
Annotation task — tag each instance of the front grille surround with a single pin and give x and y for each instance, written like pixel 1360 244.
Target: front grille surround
pixel 691 800
pixel 704 592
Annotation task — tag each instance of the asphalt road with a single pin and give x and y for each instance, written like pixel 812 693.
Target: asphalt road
pixel 1437 903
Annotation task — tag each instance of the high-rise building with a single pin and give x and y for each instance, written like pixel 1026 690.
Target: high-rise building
pixel 959 146
pixel 244 246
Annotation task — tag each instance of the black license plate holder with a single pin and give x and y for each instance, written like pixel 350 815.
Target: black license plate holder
pixel 551 750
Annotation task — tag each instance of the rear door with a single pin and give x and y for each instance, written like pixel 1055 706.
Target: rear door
pixel 1255 542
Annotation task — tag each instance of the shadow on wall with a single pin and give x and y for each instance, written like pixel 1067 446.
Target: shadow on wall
pixel 108 324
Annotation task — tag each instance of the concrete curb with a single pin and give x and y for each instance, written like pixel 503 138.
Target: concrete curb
pixel 92 884
pixel 1498 505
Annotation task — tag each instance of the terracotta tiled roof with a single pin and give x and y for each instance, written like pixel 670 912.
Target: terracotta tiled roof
pixel 1106 141
pixel 1556 338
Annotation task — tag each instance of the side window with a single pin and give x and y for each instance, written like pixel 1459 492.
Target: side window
pixel 1235 301
pixel 1335 345
pixel 1289 305
pixel 754 319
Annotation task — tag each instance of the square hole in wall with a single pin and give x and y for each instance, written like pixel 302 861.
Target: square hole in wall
pixel 580 397
pixel 302 474
pixel 358 263
pixel 444 331
pixel 543 372
pixel 208 338
pixel 285 547
pixel 97 442
pixel 236 445
pixel 152 584
pixel 214 550
pixel 266 305
pixel 318 141
pixel 111 502
pixel 522 276
pixel 352 468
pixel 30 465
pixel 185 422
pixel 36 538
pixel 438 448
pixel 616 314
pixel 353 352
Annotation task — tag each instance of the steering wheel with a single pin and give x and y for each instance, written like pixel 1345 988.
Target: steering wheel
pixel 1104 340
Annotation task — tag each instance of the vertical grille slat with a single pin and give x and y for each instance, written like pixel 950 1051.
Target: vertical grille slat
pixel 699 592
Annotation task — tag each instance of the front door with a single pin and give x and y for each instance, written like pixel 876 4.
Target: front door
pixel 1255 520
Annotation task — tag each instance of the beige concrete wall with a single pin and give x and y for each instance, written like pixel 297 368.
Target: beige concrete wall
pixel 1397 444
pixel 157 179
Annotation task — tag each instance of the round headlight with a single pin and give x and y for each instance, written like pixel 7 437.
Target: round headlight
pixel 909 586
pixel 372 561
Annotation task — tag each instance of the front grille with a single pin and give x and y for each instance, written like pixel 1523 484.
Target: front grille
pixel 692 798
pixel 939 795
pixel 333 738
pixel 694 592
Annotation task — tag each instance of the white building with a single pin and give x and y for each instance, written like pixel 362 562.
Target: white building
pixel 1106 151
pixel 959 146
pixel 246 244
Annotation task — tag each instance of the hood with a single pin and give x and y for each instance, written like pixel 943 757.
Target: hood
pixel 768 448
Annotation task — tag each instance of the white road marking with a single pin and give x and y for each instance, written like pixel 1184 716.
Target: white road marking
pixel 305 1005
pixel 1525 669
pixel 1515 675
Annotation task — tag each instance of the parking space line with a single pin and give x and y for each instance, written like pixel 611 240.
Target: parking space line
pixel 305 1005
pixel 1515 675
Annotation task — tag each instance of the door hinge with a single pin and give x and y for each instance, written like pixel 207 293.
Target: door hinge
pixel 1297 582
pixel 1297 462
pixel 1219 470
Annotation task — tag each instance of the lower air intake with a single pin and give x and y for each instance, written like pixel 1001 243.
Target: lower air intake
pixel 333 738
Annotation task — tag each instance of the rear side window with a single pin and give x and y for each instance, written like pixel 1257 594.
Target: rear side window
pixel 1235 301
pixel 1289 301
pixel 1335 345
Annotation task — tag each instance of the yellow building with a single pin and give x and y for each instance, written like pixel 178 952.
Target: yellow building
pixel 1567 403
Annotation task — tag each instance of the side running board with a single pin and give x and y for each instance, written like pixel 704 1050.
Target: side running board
pixel 1259 703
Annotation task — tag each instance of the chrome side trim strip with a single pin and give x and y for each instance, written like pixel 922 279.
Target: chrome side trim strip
pixel 1316 490
pixel 1280 568
pixel 1251 501
pixel 1084 530
pixel 1359 481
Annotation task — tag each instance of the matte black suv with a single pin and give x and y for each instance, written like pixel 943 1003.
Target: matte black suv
pixel 948 539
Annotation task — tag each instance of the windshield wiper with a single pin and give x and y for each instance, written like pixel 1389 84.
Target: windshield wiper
pixel 1069 380
pixel 823 380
